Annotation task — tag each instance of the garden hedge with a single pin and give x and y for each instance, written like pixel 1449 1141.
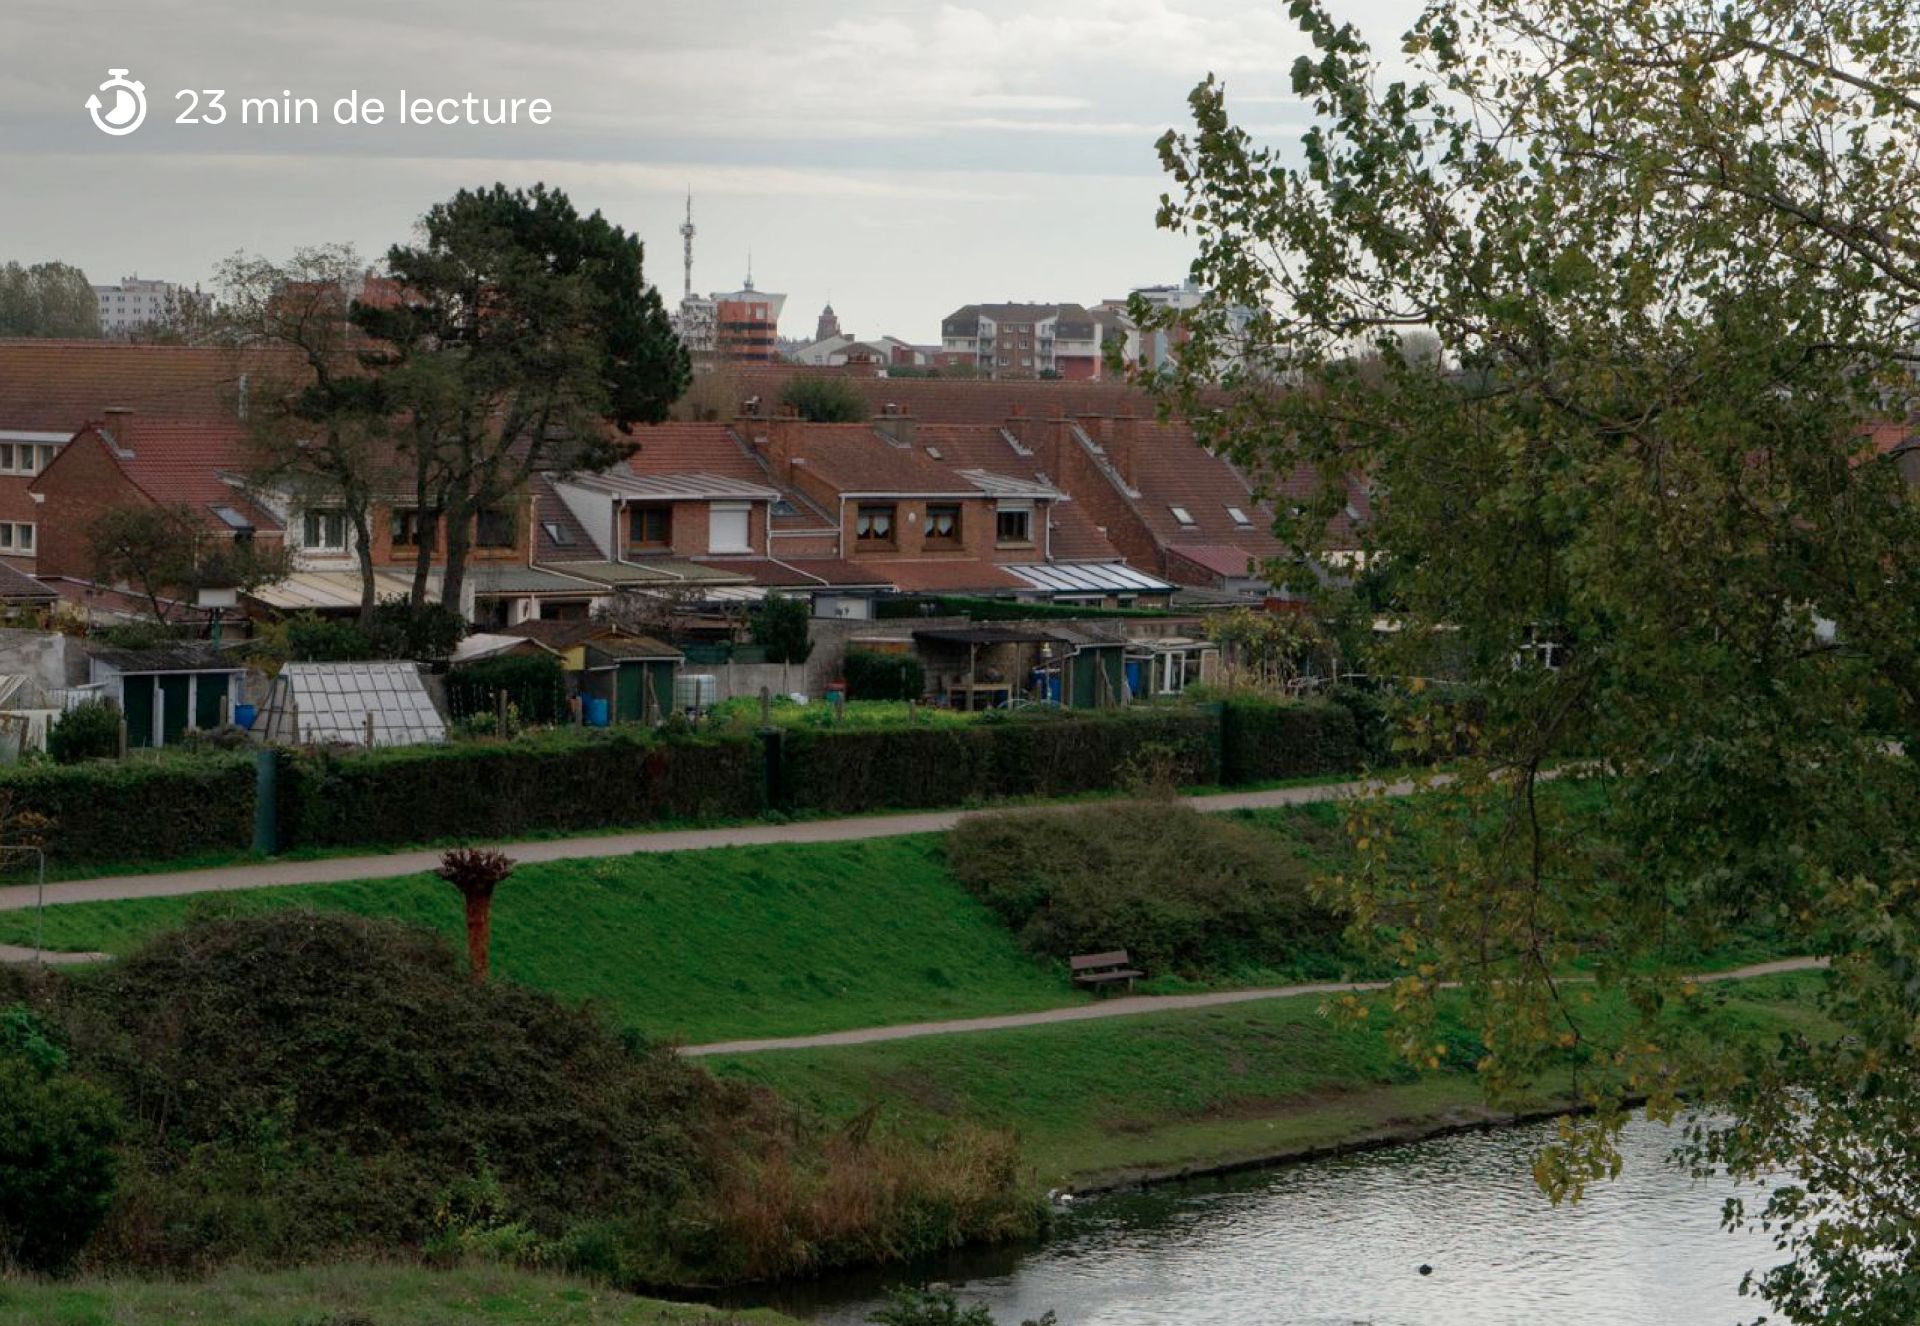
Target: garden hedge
pixel 151 808
pixel 1262 740
pixel 428 793
pixel 164 807
pixel 846 772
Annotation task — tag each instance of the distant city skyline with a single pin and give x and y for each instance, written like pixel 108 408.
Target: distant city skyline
pixel 900 160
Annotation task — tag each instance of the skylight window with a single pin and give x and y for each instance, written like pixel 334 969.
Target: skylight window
pixel 232 519
pixel 1181 514
pixel 1239 516
pixel 558 534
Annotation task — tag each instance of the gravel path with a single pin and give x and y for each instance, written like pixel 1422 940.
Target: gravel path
pixel 1132 1006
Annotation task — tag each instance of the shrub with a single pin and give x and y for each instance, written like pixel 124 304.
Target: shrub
pixel 89 731
pixel 147 809
pixel 558 781
pixel 300 1085
pixel 57 1165
pixel 1263 740
pixel 315 639
pixel 1373 721
pixel 783 626
pixel 850 770
pixel 929 1306
pixel 428 633
pixel 535 684
pixel 871 675
pixel 1180 891
pixel 824 400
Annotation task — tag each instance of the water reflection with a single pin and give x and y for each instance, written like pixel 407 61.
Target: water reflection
pixel 1341 1242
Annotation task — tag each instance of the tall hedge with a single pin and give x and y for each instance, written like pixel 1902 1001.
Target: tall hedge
pixel 1262 740
pixel 143 809
pixel 535 684
pixel 424 793
pixel 852 770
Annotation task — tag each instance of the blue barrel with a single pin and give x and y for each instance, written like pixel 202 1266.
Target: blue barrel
pixel 596 710
pixel 243 716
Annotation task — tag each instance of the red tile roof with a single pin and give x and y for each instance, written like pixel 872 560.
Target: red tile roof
pixel 855 458
pixel 959 400
pixel 56 386
pixel 180 464
pixel 694 449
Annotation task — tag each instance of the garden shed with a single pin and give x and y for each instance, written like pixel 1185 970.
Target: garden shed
pixel 633 674
pixel 1092 668
pixel 165 692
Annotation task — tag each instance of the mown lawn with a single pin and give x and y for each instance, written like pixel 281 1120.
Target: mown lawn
pixel 705 945
pixel 376 1295
pixel 1096 1100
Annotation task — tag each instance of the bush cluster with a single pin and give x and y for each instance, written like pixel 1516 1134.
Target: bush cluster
pixel 89 731
pixel 163 806
pixel 872 675
pixel 57 1163
pixel 1263 740
pixel 848 770
pixel 533 785
pixel 1184 893
pixel 535 685
pixel 301 1085
pixel 152 808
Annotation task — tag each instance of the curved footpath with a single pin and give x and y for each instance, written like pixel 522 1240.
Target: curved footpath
pixel 392 865
pixel 1136 1005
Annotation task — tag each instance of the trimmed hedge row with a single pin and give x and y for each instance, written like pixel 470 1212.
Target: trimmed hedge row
pixel 1261 740
pixel 156 809
pixel 180 806
pixel 427 793
pixel 854 770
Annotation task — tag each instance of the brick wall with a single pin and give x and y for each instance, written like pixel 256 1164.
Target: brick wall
pixel 83 481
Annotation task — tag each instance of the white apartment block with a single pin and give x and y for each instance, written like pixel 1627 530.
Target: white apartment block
pixel 133 303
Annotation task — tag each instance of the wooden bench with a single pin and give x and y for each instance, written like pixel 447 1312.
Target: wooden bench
pixel 1100 970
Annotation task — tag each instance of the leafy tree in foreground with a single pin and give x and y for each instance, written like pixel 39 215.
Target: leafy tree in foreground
pixel 57 1136
pixel 1671 258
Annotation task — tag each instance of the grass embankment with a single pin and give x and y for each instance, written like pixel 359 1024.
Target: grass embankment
pixel 375 1295
pixel 707 945
pixel 1097 1102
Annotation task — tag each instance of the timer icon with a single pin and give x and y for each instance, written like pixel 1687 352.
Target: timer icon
pixel 129 108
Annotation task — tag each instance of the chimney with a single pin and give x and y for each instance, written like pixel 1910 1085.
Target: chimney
pixel 895 425
pixel 774 438
pixel 119 426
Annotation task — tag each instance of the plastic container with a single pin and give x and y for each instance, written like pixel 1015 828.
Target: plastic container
pixel 596 710
pixel 244 714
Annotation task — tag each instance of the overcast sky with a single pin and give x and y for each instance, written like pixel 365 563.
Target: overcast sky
pixel 901 158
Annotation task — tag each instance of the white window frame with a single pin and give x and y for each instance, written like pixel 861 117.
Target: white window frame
pixel 323 515
pixel 743 510
pixel 18 538
pixel 1184 516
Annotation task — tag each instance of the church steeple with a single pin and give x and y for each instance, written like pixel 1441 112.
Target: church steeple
pixel 829 323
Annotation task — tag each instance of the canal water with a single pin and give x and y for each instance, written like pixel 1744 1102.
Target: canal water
pixel 1341 1243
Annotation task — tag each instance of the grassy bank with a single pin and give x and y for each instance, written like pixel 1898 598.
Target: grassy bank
pixel 1095 1101
pixel 709 945
pixel 364 1294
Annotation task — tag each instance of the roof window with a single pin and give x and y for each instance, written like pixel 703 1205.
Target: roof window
pixel 1181 514
pixel 1239 516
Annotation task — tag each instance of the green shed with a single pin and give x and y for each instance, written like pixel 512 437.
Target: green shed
pixel 1094 667
pixel 634 674
pixel 164 692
